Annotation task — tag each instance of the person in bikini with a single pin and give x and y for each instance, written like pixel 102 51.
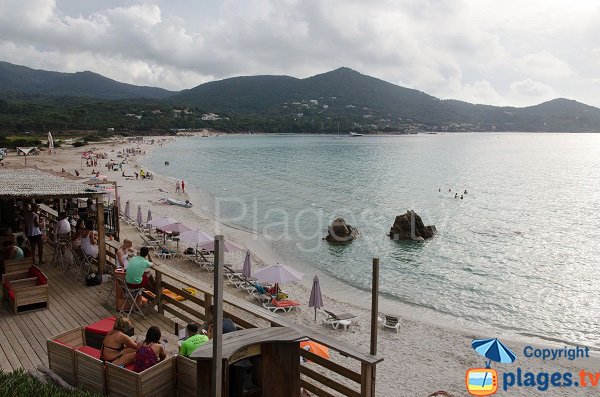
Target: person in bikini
pixel 151 352
pixel 117 347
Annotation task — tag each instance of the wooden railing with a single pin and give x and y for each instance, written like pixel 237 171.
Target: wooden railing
pixel 330 378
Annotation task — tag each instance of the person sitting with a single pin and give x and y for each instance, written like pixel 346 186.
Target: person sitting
pixel 136 275
pixel 89 244
pixel 122 253
pixel 21 244
pixel 193 340
pixel 117 347
pixel 151 352
pixel 78 231
pixel 62 227
pixel 11 251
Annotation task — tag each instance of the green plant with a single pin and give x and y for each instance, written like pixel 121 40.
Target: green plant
pixel 20 384
pixel 79 143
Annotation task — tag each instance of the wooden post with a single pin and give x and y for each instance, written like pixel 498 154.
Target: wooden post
pixel 207 307
pixel 374 306
pixel 159 292
pixel 116 214
pixel 101 236
pixel 217 316
pixel 367 380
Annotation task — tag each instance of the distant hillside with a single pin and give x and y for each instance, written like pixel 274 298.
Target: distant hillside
pixel 18 80
pixel 374 104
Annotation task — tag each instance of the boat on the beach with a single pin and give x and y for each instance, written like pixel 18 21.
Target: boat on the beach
pixel 355 134
pixel 180 203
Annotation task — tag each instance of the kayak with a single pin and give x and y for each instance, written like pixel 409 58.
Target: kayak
pixel 180 203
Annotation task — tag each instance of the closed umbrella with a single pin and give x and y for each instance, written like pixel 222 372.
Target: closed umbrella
pixel 316 299
pixel 126 213
pixel 246 269
pixel 149 217
pixel 50 143
pixel 139 215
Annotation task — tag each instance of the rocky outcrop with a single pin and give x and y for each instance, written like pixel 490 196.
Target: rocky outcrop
pixel 409 226
pixel 340 232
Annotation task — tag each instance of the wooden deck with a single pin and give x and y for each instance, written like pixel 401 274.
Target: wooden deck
pixel 71 304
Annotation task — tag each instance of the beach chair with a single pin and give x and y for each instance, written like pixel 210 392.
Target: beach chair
pixel 149 241
pixel 335 320
pixel 392 322
pixel 284 305
pixel 260 293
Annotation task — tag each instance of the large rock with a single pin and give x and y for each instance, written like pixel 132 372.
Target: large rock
pixel 340 232
pixel 409 226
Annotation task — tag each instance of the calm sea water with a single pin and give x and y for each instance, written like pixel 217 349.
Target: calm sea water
pixel 520 251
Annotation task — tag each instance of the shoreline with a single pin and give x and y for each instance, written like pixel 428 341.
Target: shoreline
pixel 420 347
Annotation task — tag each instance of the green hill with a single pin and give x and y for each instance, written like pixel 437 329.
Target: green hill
pixel 16 81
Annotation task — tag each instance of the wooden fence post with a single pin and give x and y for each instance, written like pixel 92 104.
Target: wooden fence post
pixel 217 316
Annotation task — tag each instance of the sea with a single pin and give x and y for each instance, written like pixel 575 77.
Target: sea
pixel 519 251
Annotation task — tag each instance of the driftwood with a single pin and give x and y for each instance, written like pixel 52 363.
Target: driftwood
pixel 36 375
pixel 53 376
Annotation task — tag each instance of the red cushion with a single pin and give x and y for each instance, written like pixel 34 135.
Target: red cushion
pixel 129 367
pixel 101 327
pixel 6 285
pixel 35 272
pixel 11 294
pixel 90 351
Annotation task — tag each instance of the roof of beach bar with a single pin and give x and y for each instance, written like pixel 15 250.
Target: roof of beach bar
pixel 30 183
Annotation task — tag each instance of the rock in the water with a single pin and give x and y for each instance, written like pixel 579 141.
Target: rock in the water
pixel 409 226
pixel 340 232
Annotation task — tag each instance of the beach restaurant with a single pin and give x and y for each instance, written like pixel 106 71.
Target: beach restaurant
pixel 262 358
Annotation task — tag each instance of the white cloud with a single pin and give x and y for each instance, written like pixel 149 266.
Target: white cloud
pixel 484 51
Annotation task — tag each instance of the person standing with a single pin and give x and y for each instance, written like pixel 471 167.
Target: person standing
pixel 182 186
pixel 33 232
pixel 177 187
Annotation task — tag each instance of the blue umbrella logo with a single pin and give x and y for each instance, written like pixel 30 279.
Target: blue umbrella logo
pixel 493 350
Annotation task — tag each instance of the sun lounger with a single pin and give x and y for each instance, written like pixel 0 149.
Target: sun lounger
pixel 335 320
pixel 148 242
pixel 392 322
pixel 285 305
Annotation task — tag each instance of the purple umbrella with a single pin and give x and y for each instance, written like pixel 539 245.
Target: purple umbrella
pixel 176 227
pixel 139 215
pixel 149 218
pixel 126 212
pixel 316 299
pixel 246 269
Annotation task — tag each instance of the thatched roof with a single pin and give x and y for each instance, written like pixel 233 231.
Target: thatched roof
pixel 30 183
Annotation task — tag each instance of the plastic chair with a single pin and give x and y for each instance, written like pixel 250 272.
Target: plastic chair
pixel 131 295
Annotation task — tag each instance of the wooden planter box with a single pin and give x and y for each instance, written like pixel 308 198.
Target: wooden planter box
pixel 17 265
pixel 90 370
pixel 156 381
pixel 187 377
pixel 26 290
pixel 61 353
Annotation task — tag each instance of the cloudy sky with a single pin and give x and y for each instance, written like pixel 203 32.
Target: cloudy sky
pixel 509 52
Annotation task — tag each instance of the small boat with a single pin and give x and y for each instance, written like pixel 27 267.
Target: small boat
pixel 180 203
pixel 355 134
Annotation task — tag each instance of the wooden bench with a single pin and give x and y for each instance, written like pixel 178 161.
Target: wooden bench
pixel 25 290
pixel 157 381
pixel 187 376
pixel 17 265
pixel 61 353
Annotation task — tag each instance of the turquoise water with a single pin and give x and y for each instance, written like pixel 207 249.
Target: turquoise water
pixel 520 251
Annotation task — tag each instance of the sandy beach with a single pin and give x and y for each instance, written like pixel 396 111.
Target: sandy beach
pixel 422 358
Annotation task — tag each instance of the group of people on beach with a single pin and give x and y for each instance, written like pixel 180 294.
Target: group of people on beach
pixel 180 186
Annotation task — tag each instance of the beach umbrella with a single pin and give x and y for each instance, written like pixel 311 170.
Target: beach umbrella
pixel 228 246
pixel 119 203
pixel 162 221
pixel 126 213
pixel 315 348
pixel 149 217
pixel 246 269
pixel 50 143
pixel 316 299
pixel 195 237
pixel 278 274
pixel 493 350
pixel 176 227
pixel 139 215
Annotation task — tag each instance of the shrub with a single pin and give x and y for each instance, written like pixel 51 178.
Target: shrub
pixel 19 384
pixel 79 143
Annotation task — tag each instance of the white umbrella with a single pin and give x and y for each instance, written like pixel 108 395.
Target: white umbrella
pixel 149 218
pixel 139 215
pixel 228 246
pixel 126 213
pixel 50 143
pixel 195 237
pixel 278 274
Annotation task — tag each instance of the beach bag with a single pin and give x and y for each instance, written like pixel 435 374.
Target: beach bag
pixel 93 279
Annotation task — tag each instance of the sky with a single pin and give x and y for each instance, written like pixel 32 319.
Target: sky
pixel 509 52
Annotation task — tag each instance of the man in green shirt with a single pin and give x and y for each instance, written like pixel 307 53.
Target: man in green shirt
pixel 136 275
pixel 193 341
